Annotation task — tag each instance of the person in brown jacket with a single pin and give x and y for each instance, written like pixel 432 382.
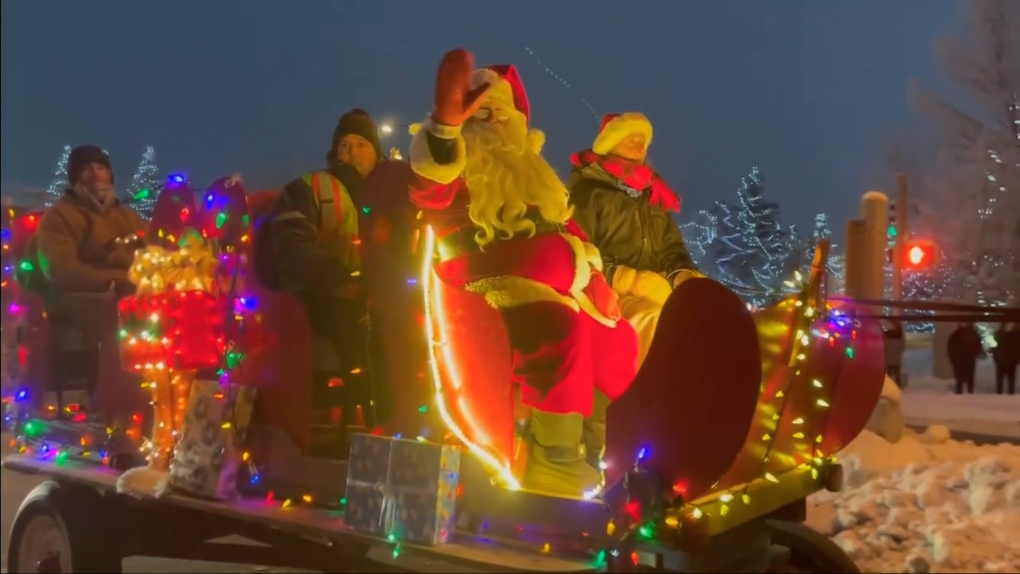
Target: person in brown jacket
pixel 85 246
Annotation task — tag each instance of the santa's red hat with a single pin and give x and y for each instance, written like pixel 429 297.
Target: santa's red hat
pixel 506 87
pixel 617 127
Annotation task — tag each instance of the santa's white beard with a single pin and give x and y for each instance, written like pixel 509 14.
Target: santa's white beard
pixel 505 178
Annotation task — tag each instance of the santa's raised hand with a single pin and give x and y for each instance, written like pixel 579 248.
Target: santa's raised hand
pixel 456 100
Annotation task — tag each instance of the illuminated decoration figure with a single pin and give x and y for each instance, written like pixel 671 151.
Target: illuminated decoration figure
pixel 503 234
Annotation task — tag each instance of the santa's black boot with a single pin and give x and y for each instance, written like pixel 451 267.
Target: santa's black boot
pixel 557 460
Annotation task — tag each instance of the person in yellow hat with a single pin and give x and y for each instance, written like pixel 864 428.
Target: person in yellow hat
pixel 625 207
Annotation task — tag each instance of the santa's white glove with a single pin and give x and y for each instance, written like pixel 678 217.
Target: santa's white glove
pixel 684 275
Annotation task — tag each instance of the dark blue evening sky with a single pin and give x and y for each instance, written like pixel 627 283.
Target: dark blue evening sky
pixel 807 90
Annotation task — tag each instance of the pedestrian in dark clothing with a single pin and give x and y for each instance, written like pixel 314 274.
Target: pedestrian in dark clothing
pixel 964 350
pixel 894 347
pixel 1007 356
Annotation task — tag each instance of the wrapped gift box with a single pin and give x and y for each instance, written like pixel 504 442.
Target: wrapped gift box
pixel 402 489
pixel 208 457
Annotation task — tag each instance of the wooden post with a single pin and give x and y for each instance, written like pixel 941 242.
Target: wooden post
pixel 854 259
pixel 875 211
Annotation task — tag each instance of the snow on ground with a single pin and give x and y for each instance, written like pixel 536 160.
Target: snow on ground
pixel 925 504
pixel 928 400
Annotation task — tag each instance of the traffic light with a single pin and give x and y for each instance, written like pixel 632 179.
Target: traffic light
pixel 891 230
pixel 919 254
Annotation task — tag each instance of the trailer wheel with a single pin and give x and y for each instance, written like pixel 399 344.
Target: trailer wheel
pixel 809 550
pixel 60 528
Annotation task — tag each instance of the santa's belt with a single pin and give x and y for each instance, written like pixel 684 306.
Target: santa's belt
pixel 461 241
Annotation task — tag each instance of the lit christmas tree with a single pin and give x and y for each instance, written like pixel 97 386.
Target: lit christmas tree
pixel 59 183
pixel 751 246
pixel 145 185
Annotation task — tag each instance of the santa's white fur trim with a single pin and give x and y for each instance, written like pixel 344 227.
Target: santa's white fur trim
pixel 500 90
pixel 586 256
pixel 582 271
pixel 588 307
pixel 619 128
pixel 507 291
pixel 421 160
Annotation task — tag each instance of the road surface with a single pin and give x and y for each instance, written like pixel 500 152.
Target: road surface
pixel 13 489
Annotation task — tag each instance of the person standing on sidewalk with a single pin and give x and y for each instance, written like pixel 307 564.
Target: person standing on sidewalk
pixel 894 347
pixel 1007 356
pixel 964 350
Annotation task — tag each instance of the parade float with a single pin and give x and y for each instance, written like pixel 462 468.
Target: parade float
pixel 707 468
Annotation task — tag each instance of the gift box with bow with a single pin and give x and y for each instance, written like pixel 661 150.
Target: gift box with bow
pixel 402 489
pixel 209 455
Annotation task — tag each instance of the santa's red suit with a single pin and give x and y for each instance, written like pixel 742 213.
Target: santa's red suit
pixel 544 286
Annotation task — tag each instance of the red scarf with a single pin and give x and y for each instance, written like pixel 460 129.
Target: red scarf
pixel 636 176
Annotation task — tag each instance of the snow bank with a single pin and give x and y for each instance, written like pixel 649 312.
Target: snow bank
pixel 925 504
pixel 887 419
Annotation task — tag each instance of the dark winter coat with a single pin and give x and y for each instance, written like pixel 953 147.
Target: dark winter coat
pixel 964 347
pixel 628 223
pixel 1007 349
pixel 306 260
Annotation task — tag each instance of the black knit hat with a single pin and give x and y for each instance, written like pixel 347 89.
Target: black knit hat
pixel 81 157
pixel 356 122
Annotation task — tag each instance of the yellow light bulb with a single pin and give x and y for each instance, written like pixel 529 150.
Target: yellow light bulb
pixel 822 403
pixel 697 514
pixel 724 510
pixel 814 473
pixel 726 497
pixel 746 499
pixel 798 435
pixel 771 478
pixel 798 421
pixel 780 395
pixel 817 383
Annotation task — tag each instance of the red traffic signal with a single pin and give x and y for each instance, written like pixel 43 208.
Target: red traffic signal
pixel 919 255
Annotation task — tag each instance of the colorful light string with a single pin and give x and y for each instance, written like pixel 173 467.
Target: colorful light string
pixel 562 81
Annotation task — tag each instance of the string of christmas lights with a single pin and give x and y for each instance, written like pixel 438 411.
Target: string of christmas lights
pixel 562 81
pixel 59 182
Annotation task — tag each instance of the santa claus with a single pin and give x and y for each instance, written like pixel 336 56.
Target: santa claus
pixel 502 218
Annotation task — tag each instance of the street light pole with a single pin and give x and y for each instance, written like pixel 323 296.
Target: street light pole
pixel 902 234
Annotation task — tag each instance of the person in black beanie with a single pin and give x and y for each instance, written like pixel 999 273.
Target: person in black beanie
pixel 355 143
pixel 83 249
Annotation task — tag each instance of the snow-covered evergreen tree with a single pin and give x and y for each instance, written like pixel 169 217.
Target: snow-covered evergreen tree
pixel 981 155
pixel 145 185
pixel 59 182
pixel 751 246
